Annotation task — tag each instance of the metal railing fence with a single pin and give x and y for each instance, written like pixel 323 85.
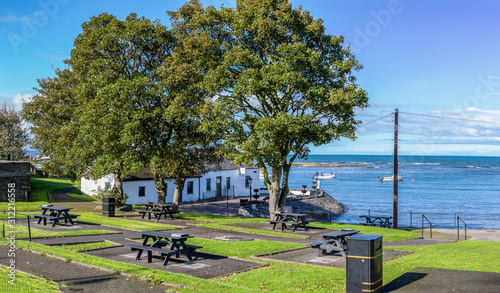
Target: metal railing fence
pixel 413 219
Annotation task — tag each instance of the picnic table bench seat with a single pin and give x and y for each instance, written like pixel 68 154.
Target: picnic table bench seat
pixel 190 247
pixel 317 244
pixel 41 217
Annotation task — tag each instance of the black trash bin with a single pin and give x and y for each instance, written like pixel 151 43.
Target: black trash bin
pixel 364 263
pixel 108 206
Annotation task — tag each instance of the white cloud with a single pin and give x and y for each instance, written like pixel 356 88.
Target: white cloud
pixel 19 99
pixel 10 18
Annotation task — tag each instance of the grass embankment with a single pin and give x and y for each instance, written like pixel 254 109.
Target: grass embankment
pixel 40 186
pixel 79 195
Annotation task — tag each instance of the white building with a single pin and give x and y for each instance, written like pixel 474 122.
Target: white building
pixel 227 180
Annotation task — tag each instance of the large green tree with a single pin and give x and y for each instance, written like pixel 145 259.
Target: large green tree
pixel 289 83
pixel 123 105
pixel 13 136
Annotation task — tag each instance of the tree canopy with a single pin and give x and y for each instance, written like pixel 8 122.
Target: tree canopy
pixel 288 83
pixel 13 136
pixel 120 107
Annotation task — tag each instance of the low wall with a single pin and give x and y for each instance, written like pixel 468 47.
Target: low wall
pixel 15 181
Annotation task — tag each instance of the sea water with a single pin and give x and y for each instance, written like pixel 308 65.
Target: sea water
pixel 431 184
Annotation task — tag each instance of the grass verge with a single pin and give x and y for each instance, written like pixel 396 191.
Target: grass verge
pixel 24 283
pixel 86 246
pixel 122 223
pixel 22 232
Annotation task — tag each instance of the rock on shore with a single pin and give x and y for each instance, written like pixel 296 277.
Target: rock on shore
pixel 321 207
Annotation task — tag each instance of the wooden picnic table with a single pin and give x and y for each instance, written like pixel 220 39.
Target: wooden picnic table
pixel 55 214
pixel 382 221
pixel 294 219
pixel 166 244
pixel 334 241
pixel 157 209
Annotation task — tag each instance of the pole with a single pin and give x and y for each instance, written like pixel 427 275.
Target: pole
pixel 29 228
pixel 395 209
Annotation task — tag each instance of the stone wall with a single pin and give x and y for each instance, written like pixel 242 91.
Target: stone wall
pixel 15 178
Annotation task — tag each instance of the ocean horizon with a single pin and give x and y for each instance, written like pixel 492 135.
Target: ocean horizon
pixel 431 184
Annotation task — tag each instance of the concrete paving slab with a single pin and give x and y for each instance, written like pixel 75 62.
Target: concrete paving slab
pixel 204 266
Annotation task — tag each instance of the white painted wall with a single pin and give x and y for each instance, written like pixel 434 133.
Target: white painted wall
pixel 131 188
pixel 93 187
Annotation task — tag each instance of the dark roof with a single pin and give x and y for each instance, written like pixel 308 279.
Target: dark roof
pixel 224 165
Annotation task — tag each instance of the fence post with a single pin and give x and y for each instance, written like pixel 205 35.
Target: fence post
pixel 29 228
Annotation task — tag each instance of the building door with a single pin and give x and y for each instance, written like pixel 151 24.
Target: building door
pixel 218 186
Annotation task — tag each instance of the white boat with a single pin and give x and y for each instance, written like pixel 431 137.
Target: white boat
pixel 390 179
pixel 323 175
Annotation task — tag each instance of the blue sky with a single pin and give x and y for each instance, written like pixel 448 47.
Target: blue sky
pixel 437 58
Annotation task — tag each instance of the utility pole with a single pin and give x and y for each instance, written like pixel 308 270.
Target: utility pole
pixel 396 173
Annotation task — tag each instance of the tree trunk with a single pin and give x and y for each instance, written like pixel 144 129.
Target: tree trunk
pixel 179 187
pixel 161 187
pixel 118 184
pixel 284 190
pixel 274 192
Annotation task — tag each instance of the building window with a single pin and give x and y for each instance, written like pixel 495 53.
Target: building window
pixel 247 181
pixel 209 184
pixel 228 182
pixel 142 191
pixel 190 187
pixel 107 185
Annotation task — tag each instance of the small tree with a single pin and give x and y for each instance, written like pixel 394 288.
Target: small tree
pixel 13 137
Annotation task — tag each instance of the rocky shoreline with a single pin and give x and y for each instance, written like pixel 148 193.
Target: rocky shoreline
pixel 319 207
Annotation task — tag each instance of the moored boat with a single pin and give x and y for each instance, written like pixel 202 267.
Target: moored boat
pixel 323 175
pixel 390 179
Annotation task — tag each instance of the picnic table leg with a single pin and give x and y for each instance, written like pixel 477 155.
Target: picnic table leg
pixel 167 258
pixel 149 215
pixel 139 253
pixel 150 256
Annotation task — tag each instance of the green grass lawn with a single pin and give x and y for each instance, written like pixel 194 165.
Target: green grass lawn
pixel 469 255
pixel 284 277
pixel 24 283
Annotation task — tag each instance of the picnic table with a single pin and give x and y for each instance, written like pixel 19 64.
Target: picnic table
pixel 54 214
pixel 157 209
pixel 382 221
pixel 334 241
pixel 294 219
pixel 166 244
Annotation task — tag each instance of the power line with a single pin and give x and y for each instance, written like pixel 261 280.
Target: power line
pixel 383 117
pixel 452 118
